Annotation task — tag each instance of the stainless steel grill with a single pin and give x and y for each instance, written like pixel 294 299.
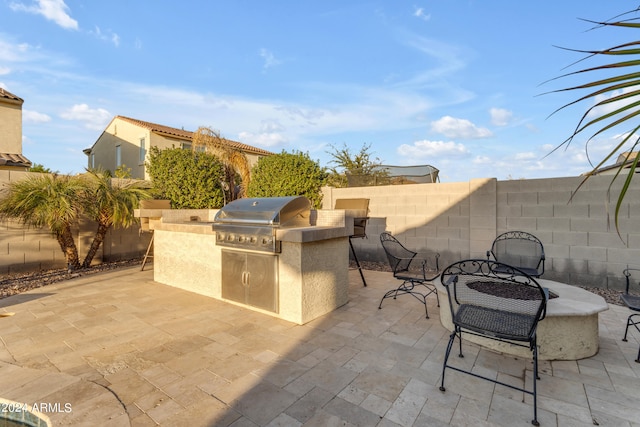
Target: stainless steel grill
pixel 251 223
pixel 247 225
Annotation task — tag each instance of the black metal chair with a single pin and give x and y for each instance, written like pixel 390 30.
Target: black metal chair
pixel 412 270
pixel 360 209
pixel 495 301
pixel 519 249
pixel 633 302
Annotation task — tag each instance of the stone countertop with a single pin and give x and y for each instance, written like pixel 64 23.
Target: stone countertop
pixel 330 224
pixel 196 227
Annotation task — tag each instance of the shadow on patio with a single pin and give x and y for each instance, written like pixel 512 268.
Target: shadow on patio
pixel 123 350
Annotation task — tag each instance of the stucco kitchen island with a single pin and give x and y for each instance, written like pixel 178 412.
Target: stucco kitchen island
pixel 311 269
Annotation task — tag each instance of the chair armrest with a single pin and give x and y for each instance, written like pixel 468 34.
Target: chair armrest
pixel 627 273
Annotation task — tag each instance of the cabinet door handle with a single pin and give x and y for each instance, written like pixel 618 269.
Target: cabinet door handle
pixel 248 278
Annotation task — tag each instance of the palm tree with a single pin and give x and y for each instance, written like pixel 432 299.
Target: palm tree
pixel 110 203
pixel 234 160
pixel 45 200
pixel 616 101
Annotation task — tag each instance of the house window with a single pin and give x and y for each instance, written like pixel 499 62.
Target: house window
pixel 92 161
pixel 143 150
pixel 118 156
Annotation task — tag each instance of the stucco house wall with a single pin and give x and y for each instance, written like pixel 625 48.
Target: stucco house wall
pixel 10 123
pixel 128 134
pixel 11 157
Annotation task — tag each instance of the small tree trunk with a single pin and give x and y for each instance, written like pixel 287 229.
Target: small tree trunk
pixel 68 246
pixel 95 244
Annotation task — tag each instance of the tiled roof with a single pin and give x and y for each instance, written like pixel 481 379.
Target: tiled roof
pixel 9 159
pixel 5 94
pixel 185 134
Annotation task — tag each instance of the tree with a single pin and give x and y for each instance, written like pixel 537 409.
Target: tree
pixel 234 160
pixel 47 200
pixel 288 174
pixel 615 100
pixel 359 165
pixel 37 167
pixel 190 179
pixel 109 202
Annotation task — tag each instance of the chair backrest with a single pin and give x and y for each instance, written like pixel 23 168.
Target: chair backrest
pixel 519 249
pixel 495 287
pixel 359 210
pixel 399 257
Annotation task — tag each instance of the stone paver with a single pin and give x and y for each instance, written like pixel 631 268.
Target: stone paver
pixel 118 349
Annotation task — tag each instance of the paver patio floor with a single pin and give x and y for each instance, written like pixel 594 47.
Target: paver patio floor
pixel 118 349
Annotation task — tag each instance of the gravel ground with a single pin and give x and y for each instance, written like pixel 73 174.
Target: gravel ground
pixel 15 284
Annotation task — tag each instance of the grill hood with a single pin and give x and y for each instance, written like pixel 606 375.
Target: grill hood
pixel 293 211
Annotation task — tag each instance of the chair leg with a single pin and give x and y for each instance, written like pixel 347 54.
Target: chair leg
pixel 446 358
pixel 146 255
pixel 407 287
pixel 535 389
pixel 355 257
pixel 631 322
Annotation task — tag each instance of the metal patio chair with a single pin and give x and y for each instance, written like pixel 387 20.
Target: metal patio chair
pixel 495 301
pixel 415 272
pixel 633 302
pixel 359 208
pixel 519 249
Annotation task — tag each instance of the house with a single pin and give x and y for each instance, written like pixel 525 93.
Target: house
pixel 11 132
pixel 624 161
pixel 127 141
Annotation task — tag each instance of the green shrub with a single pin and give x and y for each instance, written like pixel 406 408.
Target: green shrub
pixel 288 174
pixel 191 180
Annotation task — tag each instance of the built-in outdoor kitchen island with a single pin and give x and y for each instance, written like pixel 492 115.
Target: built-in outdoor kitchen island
pixel 273 255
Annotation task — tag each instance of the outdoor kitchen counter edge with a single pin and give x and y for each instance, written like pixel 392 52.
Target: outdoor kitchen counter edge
pixel 294 235
pixel 311 233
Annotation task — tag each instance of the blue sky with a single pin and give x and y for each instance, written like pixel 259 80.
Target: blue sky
pixel 451 83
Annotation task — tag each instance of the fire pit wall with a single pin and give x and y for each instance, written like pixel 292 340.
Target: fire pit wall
pixel 312 266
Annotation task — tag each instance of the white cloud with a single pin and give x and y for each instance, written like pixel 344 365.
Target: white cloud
pixel 4 71
pixel 429 149
pixel 269 59
pixel 526 156
pixel 34 117
pixel 109 36
pixel 52 10
pixel 482 160
pixel 13 52
pixel 452 127
pixel 419 13
pixel 264 139
pixel 269 135
pixel 500 116
pixel 93 118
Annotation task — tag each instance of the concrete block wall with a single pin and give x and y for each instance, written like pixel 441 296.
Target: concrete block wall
pixel 24 249
pixel 460 220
